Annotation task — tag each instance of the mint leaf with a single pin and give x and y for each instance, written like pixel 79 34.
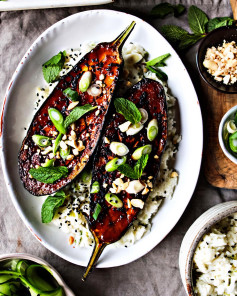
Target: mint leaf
pixel 140 165
pixel 178 10
pixel 128 109
pixel 173 33
pixel 77 113
pixel 159 61
pixel 159 73
pixel 71 94
pixel 163 9
pixel 136 172
pixel 128 171
pixel 52 67
pixel 197 20
pixel 49 175
pixel 189 40
pixel 50 206
pixel 218 22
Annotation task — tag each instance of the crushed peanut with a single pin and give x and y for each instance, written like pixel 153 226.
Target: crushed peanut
pixel 137 203
pixel 71 240
pixel 70 157
pixel 145 191
pixel 156 156
pixel 72 105
pixel 221 62
pixel 174 175
pixel 75 152
pixel 106 140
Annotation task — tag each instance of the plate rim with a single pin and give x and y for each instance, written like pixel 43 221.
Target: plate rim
pixel 3 160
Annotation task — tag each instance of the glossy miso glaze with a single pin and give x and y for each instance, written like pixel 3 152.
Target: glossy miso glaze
pixel 104 59
pixel 113 222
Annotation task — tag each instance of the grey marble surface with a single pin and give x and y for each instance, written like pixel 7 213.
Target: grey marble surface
pixel 156 273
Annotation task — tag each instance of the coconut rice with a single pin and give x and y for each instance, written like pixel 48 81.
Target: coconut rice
pixel 69 218
pixel 215 260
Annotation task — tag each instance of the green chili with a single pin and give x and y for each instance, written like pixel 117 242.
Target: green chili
pixel 57 119
pixel 64 152
pixel 233 142
pixel 56 143
pixel 152 130
pixel 95 188
pixel 48 163
pixel 85 81
pixel 113 164
pixel 97 211
pixel 42 141
pixel 113 200
pixel 137 154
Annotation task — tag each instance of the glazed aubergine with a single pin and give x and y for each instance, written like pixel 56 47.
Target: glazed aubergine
pixel 119 196
pixel 102 64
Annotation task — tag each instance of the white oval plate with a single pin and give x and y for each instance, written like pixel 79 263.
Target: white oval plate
pixel 98 25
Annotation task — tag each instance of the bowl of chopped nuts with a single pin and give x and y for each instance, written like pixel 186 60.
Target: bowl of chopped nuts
pixel 217 59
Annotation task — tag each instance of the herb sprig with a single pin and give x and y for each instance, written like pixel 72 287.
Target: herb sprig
pixel 128 109
pixel 52 67
pixel 49 175
pixel 163 9
pixel 51 204
pixel 136 172
pixel 199 24
pixel 156 63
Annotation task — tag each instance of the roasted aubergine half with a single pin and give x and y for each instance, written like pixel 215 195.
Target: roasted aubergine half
pixel 63 133
pixel 126 163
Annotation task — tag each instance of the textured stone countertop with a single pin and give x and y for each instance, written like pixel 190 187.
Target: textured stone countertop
pixel 156 273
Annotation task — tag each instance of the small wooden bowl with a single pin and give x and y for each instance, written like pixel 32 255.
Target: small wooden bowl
pixel 215 38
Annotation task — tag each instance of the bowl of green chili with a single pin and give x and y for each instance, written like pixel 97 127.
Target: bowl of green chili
pixel 27 275
pixel 227 134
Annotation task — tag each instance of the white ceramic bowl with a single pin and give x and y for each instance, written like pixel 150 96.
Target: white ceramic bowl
pixel 194 235
pixel 228 115
pixel 56 275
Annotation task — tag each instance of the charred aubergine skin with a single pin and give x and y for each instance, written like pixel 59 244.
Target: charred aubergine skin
pixel 113 222
pixel 104 59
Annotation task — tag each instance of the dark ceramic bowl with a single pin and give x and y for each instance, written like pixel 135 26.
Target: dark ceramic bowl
pixel 215 38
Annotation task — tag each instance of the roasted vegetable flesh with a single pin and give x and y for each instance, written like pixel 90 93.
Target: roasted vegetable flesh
pixel 104 59
pixel 113 222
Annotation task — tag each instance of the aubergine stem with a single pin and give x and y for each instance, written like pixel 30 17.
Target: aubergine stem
pixel 98 249
pixel 119 41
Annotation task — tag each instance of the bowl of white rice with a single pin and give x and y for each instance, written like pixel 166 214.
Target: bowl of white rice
pixel 208 253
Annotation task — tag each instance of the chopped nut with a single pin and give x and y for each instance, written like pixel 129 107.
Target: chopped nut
pixel 101 77
pixel 106 140
pixel 73 135
pixel 174 175
pixel 70 157
pixel 54 133
pixel 87 135
pixel 26 147
pixel 63 145
pixel 145 191
pixel 149 184
pixel 64 137
pixel 73 126
pixel 122 176
pixel 150 177
pixel 75 152
pixel 105 185
pixel 38 151
pixel 47 150
pixel 124 126
pixel 51 155
pixel 58 155
pixel 97 112
pixel 137 203
pixel 156 156
pixel 129 203
pixel 71 240
pixel 72 105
